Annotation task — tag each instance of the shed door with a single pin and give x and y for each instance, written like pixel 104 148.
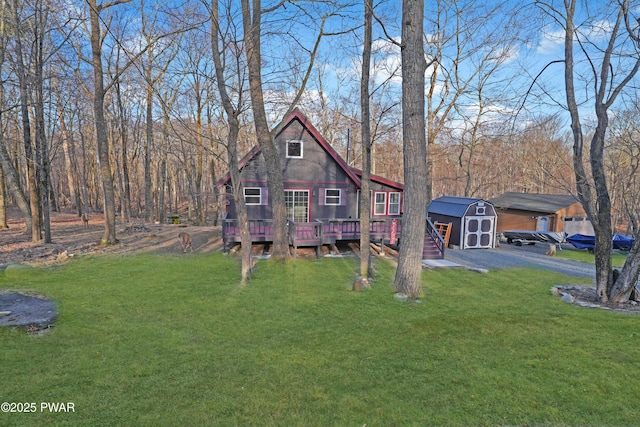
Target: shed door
pixel 478 232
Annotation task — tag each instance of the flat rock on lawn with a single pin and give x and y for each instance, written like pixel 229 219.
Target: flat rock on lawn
pixel 26 310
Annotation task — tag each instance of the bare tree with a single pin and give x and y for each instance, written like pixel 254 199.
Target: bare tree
pixel 365 195
pixel 154 68
pixel 8 170
pixel 68 148
pixel 467 43
pixel 97 37
pixel 623 171
pixel 198 66
pixel 252 24
pixel 408 275
pixel 233 112
pixel 30 154
pixel 613 67
pixel 3 201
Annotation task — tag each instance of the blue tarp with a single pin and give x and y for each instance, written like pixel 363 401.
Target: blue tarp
pixel 581 241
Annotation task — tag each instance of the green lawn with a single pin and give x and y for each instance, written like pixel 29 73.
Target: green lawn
pixel 153 341
pixel 617 258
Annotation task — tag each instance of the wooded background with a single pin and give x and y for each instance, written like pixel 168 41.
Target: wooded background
pixel 495 123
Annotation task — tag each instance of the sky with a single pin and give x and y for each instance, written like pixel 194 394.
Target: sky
pixel 505 46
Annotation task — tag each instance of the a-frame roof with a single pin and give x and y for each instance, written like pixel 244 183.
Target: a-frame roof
pixel 296 114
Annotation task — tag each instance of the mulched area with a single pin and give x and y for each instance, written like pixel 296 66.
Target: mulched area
pixel 586 296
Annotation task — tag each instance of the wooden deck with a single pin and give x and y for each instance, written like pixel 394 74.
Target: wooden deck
pixel 330 231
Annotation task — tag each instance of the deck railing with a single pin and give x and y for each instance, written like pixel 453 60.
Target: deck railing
pixel 305 234
pixel 323 232
pixel 261 230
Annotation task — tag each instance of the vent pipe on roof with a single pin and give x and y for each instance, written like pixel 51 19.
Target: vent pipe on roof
pixel 348 146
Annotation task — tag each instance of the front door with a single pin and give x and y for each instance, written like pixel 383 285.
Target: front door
pixel 478 232
pixel 297 203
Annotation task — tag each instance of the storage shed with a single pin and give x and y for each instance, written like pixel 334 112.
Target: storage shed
pixel 473 221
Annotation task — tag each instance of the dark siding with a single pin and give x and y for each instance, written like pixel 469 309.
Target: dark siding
pixel 456 225
pixel 315 166
pixel 318 169
pixel 315 171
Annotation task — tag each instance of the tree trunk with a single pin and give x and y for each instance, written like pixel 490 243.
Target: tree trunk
pixel 197 195
pixel 13 182
pixel 628 278
pixel 232 147
pixel 69 156
pixel 124 139
pixel 365 194
pixel 8 170
pixel 148 205
pixel 42 146
pixel 109 236
pixel 252 28
pixel 30 156
pixel 3 201
pixel 409 272
pixel 83 187
pixel 164 190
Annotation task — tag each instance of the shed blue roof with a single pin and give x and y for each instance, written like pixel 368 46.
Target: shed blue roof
pixel 451 206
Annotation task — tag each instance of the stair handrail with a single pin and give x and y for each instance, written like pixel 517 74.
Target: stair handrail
pixel 437 238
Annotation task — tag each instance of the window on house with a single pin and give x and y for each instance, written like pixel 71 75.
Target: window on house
pixel 394 203
pixel 294 149
pixel 380 204
pixel 252 196
pixel 331 196
pixel 297 205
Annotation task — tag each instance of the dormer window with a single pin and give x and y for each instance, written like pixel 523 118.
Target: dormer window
pixel 294 149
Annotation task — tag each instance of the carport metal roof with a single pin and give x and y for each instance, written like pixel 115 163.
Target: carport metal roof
pixel 534 202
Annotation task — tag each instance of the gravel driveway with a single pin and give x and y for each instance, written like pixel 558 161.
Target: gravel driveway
pixel 510 256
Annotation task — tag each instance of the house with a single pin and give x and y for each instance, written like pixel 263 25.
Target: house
pixel 472 221
pixel 541 212
pixel 318 182
pixel 322 192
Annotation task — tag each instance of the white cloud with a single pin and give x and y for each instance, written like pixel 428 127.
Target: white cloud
pixel 600 30
pixel 386 61
pixel 551 41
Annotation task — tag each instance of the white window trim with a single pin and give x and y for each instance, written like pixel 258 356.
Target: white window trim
pixel 259 196
pixel 375 203
pixel 389 204
pixel 327 197
pixel 301 149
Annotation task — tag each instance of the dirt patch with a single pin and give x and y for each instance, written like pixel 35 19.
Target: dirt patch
pixel 71 238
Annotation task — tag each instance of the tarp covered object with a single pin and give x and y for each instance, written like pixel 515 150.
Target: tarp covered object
pixel 580 241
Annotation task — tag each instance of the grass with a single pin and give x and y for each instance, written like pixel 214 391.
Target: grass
pixel 582 255
pixel 149 340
